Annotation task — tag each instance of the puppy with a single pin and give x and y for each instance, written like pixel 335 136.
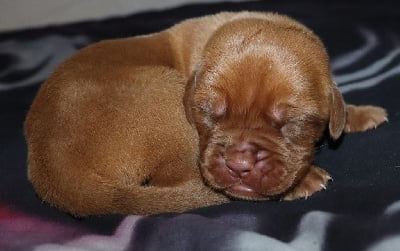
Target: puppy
pixel 140 125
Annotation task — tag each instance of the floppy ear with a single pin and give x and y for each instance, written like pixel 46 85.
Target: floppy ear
pixel 337 107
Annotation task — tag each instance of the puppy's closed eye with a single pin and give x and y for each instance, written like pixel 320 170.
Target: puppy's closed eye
pixel 273 120
pixel 302 129
pixel 219 109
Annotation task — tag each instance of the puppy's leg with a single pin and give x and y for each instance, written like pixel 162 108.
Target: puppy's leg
pixel 362 118
pixel 314 181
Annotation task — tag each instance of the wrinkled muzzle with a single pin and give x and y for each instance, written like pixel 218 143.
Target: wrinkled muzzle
pixel 245 169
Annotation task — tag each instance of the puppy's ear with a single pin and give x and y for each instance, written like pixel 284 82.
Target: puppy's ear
pixel 188 98
pixel 337 109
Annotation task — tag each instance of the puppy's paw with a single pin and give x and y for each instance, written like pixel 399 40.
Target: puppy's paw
pixel 362 118
pixel 314 181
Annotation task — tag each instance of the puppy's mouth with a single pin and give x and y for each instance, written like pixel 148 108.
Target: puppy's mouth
pixel 243 192
pixel 245 171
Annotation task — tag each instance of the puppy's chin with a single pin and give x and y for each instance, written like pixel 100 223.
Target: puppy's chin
pixel 246 171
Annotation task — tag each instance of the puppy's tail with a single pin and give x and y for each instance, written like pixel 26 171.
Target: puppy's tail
pixel 92 194
pixel 152 199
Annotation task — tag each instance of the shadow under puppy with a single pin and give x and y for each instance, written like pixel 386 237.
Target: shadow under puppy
pixel 110 130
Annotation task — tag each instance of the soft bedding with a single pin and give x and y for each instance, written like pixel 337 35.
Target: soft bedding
pixel 360 210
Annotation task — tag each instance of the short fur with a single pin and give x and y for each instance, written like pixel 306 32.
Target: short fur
pixel 107 132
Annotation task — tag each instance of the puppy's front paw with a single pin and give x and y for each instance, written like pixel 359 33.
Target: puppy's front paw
pixel 314 181
pixel 362 118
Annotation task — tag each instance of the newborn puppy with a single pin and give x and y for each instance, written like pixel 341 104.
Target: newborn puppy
pixel 108 131
pixel 260 98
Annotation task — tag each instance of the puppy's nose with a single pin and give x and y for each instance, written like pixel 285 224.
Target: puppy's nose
pixel 241 159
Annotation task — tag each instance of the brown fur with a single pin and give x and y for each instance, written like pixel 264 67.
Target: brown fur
pixel 107 132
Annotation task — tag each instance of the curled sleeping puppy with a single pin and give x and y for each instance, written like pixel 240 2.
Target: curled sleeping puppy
pixel 223 106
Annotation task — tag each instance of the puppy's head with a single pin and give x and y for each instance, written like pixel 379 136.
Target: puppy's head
pixel 260 99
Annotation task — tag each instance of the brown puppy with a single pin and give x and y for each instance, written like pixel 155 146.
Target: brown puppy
pixel 107 132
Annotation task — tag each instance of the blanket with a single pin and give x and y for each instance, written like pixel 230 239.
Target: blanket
pixel 360 210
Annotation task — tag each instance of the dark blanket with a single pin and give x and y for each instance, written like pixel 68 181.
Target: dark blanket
pixel 360 210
